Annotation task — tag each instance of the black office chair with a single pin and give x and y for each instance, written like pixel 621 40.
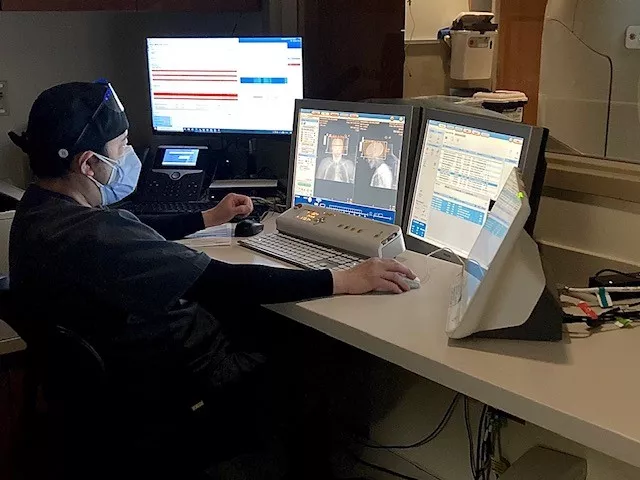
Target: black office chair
pixel 100 425
pixel 73 378
pixel 71 375
pixel 102 433
pixel 91 428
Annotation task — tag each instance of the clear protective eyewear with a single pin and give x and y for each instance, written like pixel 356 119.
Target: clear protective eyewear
pixel 110 101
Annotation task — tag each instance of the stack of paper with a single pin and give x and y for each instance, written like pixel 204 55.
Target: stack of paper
pixel 219 236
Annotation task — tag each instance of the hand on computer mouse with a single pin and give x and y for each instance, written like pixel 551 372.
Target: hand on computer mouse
pixel 374 275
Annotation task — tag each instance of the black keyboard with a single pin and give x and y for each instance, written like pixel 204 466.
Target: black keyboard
pixel 168 207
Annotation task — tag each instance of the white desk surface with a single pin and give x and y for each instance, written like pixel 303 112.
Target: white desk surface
pixel 584 389
pixel 10 342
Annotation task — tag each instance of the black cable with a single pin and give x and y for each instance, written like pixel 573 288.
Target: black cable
pixel 432 436
pixel 467 422
pixel 384 469
pixel 497 448
pixel 484 453
pixel 480 441
pixel 235 27
pixel 492 432
pixel 487 446
pixel 617 272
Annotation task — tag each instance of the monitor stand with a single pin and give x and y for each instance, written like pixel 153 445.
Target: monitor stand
pixel 252 159
pixel 543 325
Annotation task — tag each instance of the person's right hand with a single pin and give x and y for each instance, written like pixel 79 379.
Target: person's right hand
pixel 374 275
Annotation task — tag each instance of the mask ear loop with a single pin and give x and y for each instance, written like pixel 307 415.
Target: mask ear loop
pixel 112 163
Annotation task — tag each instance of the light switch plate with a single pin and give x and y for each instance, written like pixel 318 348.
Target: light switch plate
pixel 632 38
pixel 4 109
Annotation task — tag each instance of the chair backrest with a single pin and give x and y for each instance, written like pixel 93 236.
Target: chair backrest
pixel 75 371
pixel 74 351
pixel 6 219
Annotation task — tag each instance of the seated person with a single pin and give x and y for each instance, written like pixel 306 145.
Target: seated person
pixel 336 168
pixel 149 305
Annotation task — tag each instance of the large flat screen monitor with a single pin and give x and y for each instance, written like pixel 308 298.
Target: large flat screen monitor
pixel 464 161
pixel 351 157
pixel 224 85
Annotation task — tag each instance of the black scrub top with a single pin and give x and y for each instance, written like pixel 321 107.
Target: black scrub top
pixel 122 285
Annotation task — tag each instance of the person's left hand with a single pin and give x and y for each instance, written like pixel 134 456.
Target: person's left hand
pixel 231 206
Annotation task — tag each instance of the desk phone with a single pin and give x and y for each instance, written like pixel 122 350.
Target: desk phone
pixel 178 174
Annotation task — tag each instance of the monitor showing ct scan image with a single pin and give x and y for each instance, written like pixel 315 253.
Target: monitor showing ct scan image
pixel 351 157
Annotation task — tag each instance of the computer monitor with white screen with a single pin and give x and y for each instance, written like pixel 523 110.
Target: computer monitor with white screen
pixel 351 157
pixel 464 161
pixel 245 85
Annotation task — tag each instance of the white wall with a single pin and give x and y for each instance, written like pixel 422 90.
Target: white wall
pixel 424 71
pixel 481 5
pixel 424 18
pixel 426 61
pixel 39 50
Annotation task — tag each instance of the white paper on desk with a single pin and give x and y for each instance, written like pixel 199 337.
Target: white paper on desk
pixel 219 236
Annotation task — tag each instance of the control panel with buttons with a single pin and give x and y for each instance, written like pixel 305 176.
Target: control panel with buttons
pixel 340 230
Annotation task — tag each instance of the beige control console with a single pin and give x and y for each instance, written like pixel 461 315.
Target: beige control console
pixel 345 232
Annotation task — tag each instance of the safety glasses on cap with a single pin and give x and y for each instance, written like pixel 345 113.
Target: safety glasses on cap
pixel 110 101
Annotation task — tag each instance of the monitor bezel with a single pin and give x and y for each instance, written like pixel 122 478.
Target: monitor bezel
pixel 408 111
pixel 531 164
pixel 234 133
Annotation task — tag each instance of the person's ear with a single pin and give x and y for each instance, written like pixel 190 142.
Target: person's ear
pixel 80 164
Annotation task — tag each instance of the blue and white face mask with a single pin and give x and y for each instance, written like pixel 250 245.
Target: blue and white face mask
pixel 123 180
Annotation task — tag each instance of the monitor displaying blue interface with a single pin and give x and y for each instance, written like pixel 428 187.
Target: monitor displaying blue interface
pixel 180 157
pixel 224 85
pixel 349 161
pixel 461 171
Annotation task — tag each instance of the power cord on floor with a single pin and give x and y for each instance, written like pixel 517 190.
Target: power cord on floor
pixel 481 453
pixel 429 438
pixel 383 469
pixel 415 464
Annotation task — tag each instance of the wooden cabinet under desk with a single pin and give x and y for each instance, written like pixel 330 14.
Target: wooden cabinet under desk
pixel 133 5
pixel 67 5
pixel 200 5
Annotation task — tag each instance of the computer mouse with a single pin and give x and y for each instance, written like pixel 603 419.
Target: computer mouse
pixel 413 284
pixel 248 228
